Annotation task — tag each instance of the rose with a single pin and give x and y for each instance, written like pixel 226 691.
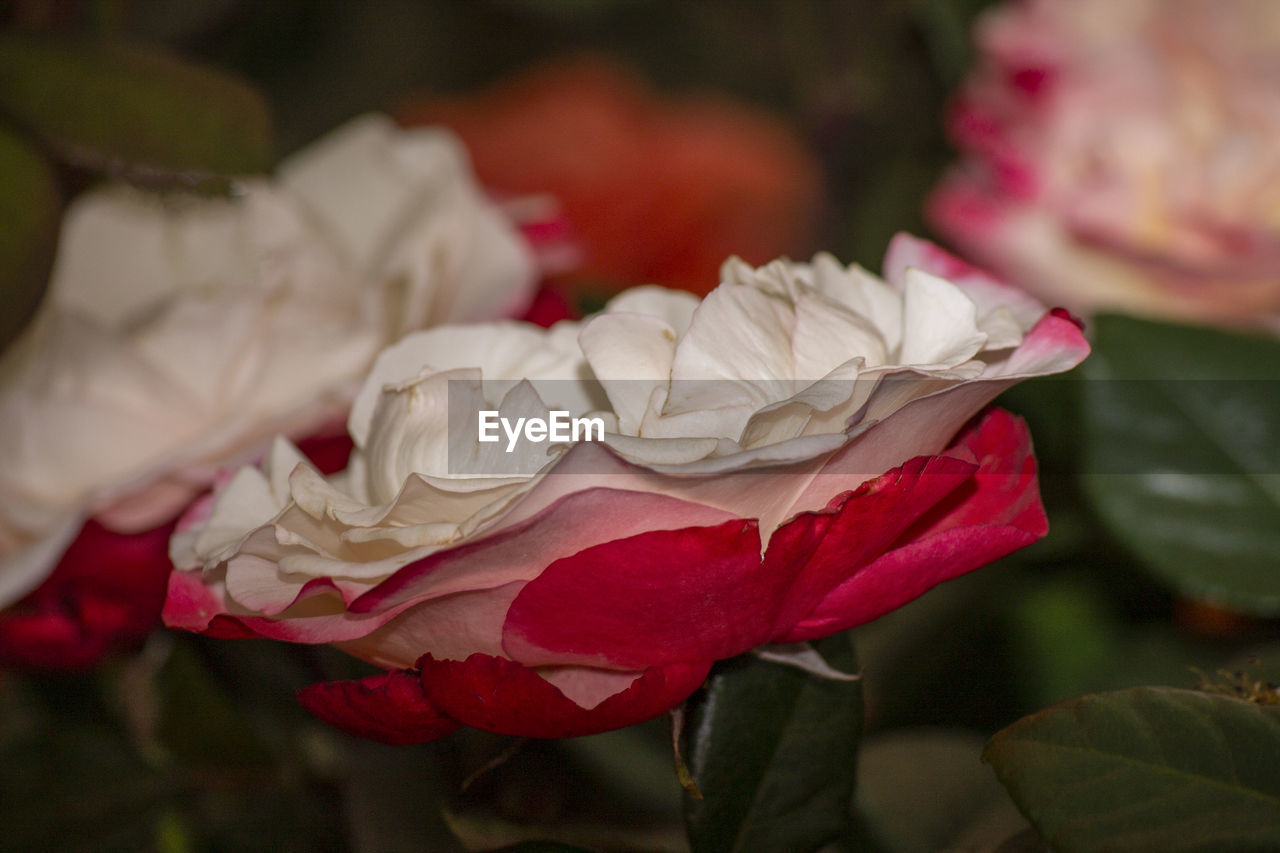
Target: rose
pixel 179 334
pixel 785 459
pixel 655 189
pixel 1122 155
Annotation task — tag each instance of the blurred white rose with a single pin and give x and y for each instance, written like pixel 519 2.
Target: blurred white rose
pixel 179 333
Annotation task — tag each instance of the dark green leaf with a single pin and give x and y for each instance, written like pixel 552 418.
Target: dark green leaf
pixel 1146 769
pixel 773 752
pixel 134 113
pixel 29 207
pixel 1182 450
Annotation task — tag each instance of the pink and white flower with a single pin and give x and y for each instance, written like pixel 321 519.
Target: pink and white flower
pixel 1123 156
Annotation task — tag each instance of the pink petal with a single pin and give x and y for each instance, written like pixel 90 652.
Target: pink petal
pixel 452 626
pixel 191 604
pixel 194 604
pixel 1054 345
pixel 573 522
pixel 908 251
pixel 923 427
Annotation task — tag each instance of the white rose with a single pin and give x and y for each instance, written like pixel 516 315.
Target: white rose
pixel 180 333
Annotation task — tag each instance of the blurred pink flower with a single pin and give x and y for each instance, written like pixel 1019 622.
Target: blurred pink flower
pixel 1124 155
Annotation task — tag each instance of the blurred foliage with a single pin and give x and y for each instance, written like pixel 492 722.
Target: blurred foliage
pixel 196 745
pixel 132 113
pixel 30 204
pixel 956 804
pixel 87 104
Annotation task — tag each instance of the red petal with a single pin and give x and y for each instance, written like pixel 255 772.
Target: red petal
pixel 825 547
pixel 1005 490
pixel 390 707
pixel 104 595
pixel 655 598
pixel 996 513
pixel 502 696
pixel 1064 314
pixel 549 307
pixel 222 627
pixel 330 453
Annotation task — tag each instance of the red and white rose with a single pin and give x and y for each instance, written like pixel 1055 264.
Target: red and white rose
pixel 795 454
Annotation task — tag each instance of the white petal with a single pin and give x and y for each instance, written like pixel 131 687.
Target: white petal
pixel 737 352
pixel 504 353
pixel 631 355
pixel 674 307
pixel 827 335
pixel 939 322
pixel 879 302
pixel 122 249
pixel 804 657
pixel 353 186
pixel 245 504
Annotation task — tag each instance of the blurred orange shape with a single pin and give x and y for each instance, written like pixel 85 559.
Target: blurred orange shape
pixel 656 189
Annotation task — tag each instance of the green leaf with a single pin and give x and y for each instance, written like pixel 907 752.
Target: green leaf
pixel 1146 769
pixel 131 112
pixel 29 207
pixel 1182 449
pixel 773 751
